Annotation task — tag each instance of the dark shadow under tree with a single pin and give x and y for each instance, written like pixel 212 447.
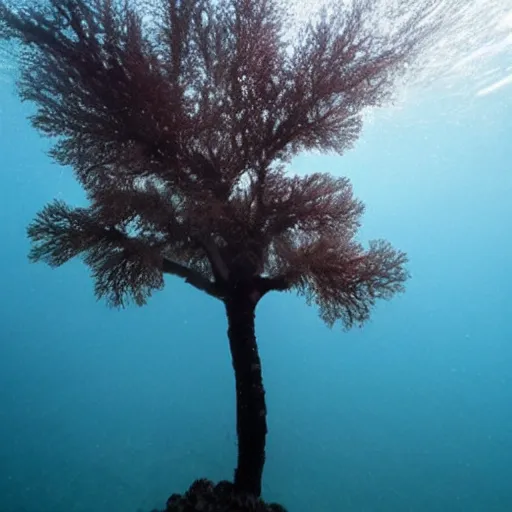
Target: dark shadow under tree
pixel 178 119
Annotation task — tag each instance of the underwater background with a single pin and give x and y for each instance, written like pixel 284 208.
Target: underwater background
pixel 109 411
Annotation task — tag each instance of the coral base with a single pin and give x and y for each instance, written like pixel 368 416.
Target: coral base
pixel 204 496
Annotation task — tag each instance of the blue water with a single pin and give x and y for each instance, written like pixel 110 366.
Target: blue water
pixel 108 411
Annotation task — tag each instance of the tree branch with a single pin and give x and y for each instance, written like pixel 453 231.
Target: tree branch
pixel 219 266
pixel 268 284
pixel 192 277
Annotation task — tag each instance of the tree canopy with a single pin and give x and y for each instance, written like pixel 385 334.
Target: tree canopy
pixel 179 119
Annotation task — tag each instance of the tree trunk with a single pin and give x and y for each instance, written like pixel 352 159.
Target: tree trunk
pixel 251 413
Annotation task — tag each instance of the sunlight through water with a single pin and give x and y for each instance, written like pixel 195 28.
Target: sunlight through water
pixel 473 54
pixel 472 57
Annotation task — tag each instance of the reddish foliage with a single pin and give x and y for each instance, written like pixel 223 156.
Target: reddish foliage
pixel 179 128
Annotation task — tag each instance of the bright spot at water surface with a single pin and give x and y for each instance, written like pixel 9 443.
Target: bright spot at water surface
pixel 472 57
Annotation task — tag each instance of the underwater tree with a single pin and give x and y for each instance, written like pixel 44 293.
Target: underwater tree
pixel 178 118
